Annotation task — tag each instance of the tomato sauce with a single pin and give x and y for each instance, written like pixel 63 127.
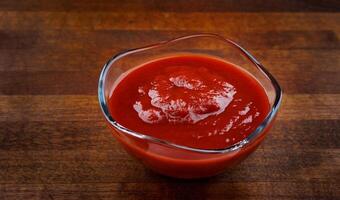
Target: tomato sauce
pixel 190 100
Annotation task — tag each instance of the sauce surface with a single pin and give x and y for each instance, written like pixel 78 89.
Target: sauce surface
pixel 190 100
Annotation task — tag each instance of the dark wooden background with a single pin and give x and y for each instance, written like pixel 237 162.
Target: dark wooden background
pixel 54 143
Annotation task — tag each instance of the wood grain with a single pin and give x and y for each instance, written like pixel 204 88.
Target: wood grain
pixel 63 83
pixel 54 143
pixel 171 5
pixel 108 39
pixel 193 21
pixel 86 108
pixel 60 135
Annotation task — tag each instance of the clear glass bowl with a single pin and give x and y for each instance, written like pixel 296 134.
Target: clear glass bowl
pixel 172 159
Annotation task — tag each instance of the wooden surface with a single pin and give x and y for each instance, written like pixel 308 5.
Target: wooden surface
pixel 54 143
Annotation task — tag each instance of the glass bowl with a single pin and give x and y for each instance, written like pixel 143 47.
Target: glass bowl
pixel 177 160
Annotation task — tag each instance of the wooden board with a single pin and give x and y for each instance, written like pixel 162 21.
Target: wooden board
pixel 54 143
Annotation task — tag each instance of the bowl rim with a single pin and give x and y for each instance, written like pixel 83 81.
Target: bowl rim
pixel 250 138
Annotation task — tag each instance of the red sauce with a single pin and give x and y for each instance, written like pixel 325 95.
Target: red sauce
pixel 190 100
